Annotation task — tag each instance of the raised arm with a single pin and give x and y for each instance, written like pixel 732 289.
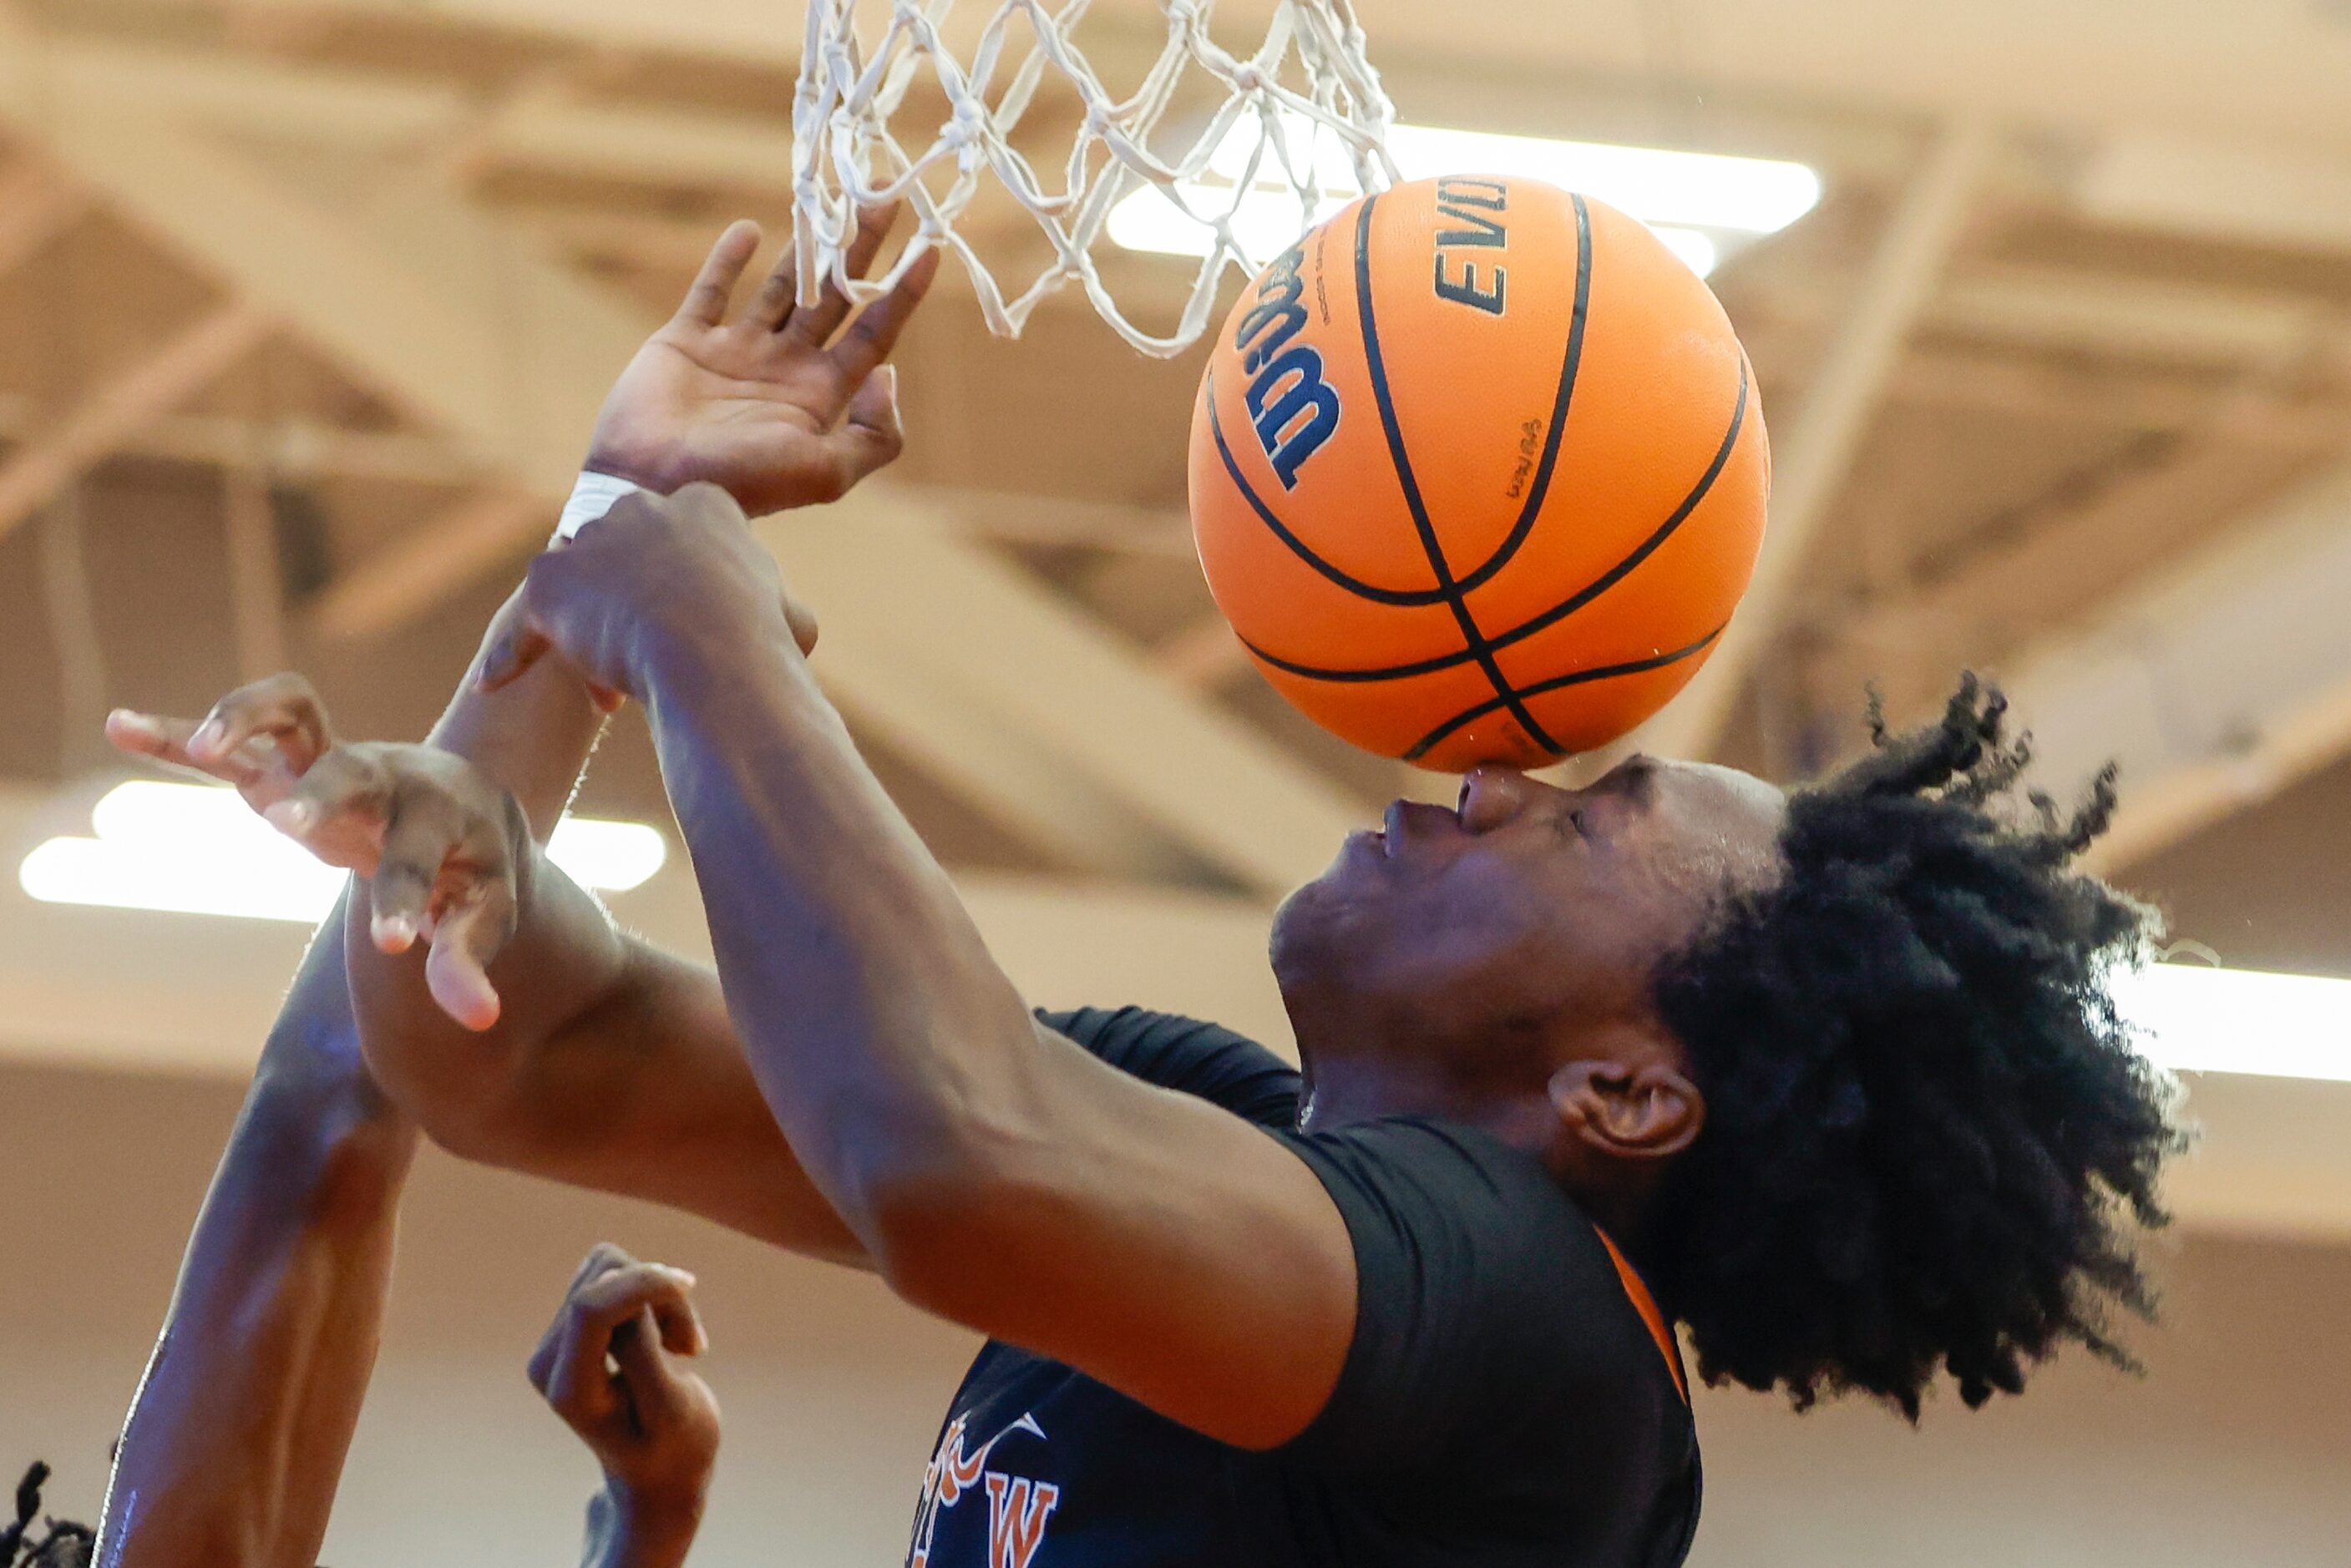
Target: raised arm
pixel 234 1444
pixel 582 1055
pixel 998 1174
pixel 236 1441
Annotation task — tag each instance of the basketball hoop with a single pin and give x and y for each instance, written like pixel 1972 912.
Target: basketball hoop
pixel 1308 83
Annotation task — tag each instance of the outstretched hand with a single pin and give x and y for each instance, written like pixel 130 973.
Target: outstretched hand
pixel 769 407
pixel 439 843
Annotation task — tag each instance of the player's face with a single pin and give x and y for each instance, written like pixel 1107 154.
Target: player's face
pixel 1526 906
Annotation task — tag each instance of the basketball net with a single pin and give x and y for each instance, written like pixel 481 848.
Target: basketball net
pixel 1298 116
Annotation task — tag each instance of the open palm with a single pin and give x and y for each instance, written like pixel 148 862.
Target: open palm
pixel 769 407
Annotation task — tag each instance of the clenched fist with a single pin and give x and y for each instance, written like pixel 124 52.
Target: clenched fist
pixel 608 1365
pixel 655 572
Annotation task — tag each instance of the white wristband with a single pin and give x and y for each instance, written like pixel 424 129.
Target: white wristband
pixel 591 497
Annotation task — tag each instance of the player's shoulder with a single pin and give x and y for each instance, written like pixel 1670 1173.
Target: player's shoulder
pixel 1492 1222
pixel 1189 1056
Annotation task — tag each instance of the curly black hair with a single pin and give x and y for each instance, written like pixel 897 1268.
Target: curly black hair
pixel 64 1546
pixel 1929 1143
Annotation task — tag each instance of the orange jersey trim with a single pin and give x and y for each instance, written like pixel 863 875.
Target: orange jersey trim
pixel 1647 1305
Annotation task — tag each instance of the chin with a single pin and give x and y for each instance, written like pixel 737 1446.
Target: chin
pixel 1294 938
pixel 1320 933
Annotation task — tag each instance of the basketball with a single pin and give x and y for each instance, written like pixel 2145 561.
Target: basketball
pixel 1478 473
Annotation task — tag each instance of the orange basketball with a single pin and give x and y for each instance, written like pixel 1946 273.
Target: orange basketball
pixel 1478 473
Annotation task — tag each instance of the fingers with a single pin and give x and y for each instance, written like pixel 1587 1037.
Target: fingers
pixel 447 868
pixel 577 1384
pixel 340 810
pixel 475 930
pixel 514 646
pixel 166 740
pixel 874 333
pixel 512 651
pixel 772 306
pixel 278 720
pixel 654 1384
pixel 705 301
pixel 281 707
pixel 422 837
pixel 813 326
pixel 604 1303
pixel 602 1258
pixel 870 436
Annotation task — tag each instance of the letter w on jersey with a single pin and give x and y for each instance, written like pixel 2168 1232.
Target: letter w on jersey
pixel 1017 1509
pixel 954 1471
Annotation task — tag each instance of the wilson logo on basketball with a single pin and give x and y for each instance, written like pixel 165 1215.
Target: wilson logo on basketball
pixel 1293 407
pixel 1544 501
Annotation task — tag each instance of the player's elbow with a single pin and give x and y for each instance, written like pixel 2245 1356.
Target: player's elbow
pixel 335 1148
pixel 942 1226
pixel 466 1092
pixel 472 1115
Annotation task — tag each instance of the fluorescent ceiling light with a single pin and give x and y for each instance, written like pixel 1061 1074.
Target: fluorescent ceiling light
pixel 197 849
pixel 2200 1020
pixel 1694 199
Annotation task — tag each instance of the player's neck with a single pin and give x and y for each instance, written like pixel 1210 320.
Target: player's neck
pixel 1347 1085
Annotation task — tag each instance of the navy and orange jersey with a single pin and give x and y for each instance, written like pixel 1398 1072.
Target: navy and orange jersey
pixel 1512 1397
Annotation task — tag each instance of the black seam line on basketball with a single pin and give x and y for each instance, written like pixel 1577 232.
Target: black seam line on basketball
pixel 1298 546
pixel 1579 678
pixel 1537 487
pixel 1567 607
pixel 1377 368
pixel 1540 486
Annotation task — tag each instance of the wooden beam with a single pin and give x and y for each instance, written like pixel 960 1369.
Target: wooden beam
pixel 1825 437
pixel 2042 392
pixel 2296 198
pixel 257 587
pixel 2095 539
pixel 293 449
pixel 1204 656
pixel 36 207
pixel 998 645
pixel 183 366
pixel 454 550
pixel 1112 525
pixel 2215 685
pixel 432 304
pixel 338 105
pixel 2072 310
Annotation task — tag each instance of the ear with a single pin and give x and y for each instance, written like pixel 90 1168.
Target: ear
pixel 1628 1112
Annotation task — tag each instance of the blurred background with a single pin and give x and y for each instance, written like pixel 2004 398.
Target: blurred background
pixel 305 306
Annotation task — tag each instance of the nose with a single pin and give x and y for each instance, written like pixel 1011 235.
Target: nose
pixel 1492 796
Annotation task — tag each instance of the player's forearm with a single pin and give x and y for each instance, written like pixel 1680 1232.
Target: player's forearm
pixel 884 1037
pixel 236 1441
pixel 533 738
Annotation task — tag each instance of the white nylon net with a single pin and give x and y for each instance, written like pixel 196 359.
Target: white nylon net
pixel 1303 114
